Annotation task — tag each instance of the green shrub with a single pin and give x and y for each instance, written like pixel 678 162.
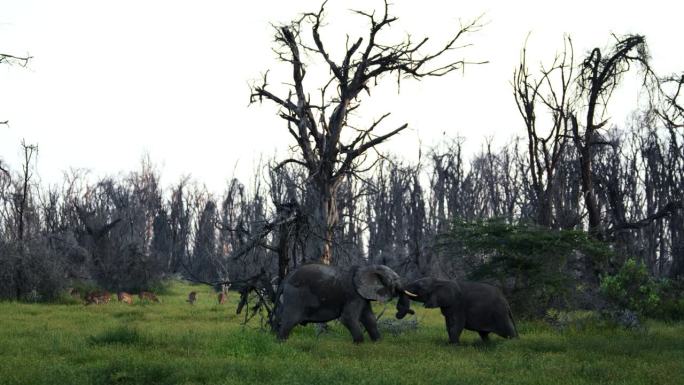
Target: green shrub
pixel 531 259
pixel 632 288
pixel 671 300
pixel 671 309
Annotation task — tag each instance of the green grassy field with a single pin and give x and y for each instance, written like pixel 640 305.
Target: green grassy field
pixel 175 343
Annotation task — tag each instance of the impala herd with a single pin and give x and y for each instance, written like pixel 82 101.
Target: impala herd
pixel 103 297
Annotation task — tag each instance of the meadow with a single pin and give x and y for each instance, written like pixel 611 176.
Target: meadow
pixel 178 343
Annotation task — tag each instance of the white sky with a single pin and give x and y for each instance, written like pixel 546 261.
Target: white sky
pixel 113 80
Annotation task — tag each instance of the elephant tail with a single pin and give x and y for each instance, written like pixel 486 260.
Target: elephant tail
pixel 514 328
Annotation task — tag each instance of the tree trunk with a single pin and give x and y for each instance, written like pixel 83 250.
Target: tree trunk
pixel 283 250
pixel 544 215
pixel 588 191
pixel 677 236
pixel 323 217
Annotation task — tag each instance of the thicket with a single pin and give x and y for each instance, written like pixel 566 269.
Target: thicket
pixel 538 268
pixel 633 288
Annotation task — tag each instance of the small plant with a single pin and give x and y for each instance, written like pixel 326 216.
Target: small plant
pixel 624 318
pixel 576 320
pixel 396 327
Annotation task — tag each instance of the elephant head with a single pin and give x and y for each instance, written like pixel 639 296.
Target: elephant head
pixel 474 306
pixel 432 292
pixel 378 283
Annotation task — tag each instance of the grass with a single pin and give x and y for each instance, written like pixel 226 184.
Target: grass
pixel 176 343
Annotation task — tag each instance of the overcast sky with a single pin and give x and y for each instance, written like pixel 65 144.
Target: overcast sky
pixel 111 81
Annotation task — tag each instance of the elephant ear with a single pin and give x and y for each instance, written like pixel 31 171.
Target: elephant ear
pixel 374 283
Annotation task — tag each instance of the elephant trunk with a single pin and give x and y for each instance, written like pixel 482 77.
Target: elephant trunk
pixel 404 306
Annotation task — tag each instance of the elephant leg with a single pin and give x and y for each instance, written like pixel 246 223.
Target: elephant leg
pixel 484 336
pixel 454 325
pixel 369 322
pixel 350 319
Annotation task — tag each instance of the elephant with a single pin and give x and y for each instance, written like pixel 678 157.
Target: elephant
pixel 321 293
pixel 474 306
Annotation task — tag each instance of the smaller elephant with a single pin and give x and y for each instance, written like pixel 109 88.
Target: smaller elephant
pixel 321 293
pixel 465 305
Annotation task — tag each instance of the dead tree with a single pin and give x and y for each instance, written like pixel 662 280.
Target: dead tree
pixel 672 114
pixel 30 152
pixel 22 61
pixel 446 184
pixel 600 74
pixel 397 220
pixel 318 127
pixel 671 109
pixel 11 59
pixel 550 91
pixel 180 224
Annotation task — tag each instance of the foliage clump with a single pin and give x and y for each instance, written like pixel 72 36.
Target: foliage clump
pixel 27 275
pixel 538 268
pixel 633 288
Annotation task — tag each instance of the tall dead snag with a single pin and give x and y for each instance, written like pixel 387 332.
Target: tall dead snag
pixel 317 127
pixel 10 59
pixel 671 113
pixel 551 91
pixel 30 153
pixel 599 75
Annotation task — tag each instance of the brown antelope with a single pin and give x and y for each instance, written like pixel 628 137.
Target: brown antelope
pixel 74 293
pixel 105 297
pixel 91 299
pixel 124 297
pixel 192 297
pixel 96 298
pixel 148 296
pixel 222 297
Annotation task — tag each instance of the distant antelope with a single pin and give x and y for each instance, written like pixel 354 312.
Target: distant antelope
pixel 105 297
pixel 124 297
pixel 148 296
pixel 192 297
pixel 222 297
pixel 97 298
pixel 74 293
pixel 91 299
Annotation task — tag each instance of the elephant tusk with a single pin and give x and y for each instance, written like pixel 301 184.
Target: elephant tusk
pixel 410 294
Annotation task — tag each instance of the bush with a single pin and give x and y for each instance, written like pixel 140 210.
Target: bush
pixel 528 261
pixel 632 288
pixel 671 309
pixel 33 275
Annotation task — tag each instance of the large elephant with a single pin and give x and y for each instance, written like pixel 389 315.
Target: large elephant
pixel 321 293
pixel 465 305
